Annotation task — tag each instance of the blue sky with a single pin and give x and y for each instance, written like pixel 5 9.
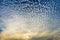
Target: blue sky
pixel 42 14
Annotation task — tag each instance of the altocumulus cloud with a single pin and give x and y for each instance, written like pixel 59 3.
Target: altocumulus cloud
pixel 24 16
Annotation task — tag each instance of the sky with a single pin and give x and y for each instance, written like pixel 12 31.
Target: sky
pixel 38 16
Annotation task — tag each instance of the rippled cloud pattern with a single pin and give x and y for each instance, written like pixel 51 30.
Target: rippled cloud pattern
pixel 25 16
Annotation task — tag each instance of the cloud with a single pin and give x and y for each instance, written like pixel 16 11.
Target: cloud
pixel 27 19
